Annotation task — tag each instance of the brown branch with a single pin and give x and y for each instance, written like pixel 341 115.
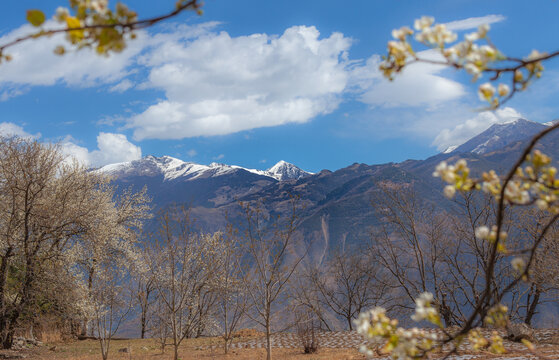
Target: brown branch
pixel 140 24
pixel 484 302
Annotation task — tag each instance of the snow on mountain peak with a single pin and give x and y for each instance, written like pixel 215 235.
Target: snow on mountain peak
pixel 173 168
pixel 285 171
pixel 499 135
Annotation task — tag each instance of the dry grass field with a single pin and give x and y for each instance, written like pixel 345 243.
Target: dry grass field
pixel 190 349
pixel 211 348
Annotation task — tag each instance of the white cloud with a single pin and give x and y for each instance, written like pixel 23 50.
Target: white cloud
pixel 112 148
pixel 121 86
pixel 418 84
pixel 72 150
pixel 10 129
pixel 216 84
pixel 34 62
pixel 471 127
pixel 11 93
pixel 191 153
pixel 474 22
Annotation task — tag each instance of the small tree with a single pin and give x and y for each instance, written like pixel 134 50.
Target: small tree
pixel 110 302
pixel 232 296
pixel 271 259
pixel 349 282
pixel 184 275
pixel 145 290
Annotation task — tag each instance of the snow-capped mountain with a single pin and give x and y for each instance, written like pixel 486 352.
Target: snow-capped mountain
pixel 286 171
pixel 499 136
pixel 173 169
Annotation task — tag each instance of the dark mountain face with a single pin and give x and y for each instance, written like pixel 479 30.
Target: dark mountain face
pixel 337 207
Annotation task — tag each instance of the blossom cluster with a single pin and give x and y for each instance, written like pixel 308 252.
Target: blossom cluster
pixel 536 183
pixel 478 342
pixel 94 24
pixel 475 54
pixel 386 338
pixel 425 311
pixel 95 12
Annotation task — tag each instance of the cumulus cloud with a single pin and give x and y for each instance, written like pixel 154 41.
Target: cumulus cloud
pixel 10 129
pixel 471 127
pixel 419 84
pixel 111 148
pixel 216 84
pixel 474 22
pixel 34 62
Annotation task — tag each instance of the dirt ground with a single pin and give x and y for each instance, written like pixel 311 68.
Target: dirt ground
pixel 211 348
pixel 148 349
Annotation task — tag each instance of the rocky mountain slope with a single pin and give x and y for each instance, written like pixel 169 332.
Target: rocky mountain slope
pixel 336 207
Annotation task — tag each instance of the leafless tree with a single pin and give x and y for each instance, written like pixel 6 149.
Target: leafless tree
pixel 272 256
pixel 410 245
pixel 349 282
pixel 145 290
pixel 232 297
pixel 110 303
pixel 543 283
pixel 184 275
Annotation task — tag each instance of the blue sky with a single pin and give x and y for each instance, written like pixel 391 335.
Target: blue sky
pixel 254 82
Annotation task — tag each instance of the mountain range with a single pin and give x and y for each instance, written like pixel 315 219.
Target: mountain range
pixel 336 206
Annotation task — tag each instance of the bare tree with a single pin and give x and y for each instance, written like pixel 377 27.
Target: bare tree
pixel 543 283
pixel 232 297
pixel 348 283
pixel 184 273
pixel 272 256
pixel 110 301
pixel 410 245
pixel 145 290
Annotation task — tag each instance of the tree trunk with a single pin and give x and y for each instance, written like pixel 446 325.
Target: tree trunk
pixel 143 322
pixel 268 340
pixel 7 339
pixel 531 311
pixel 4 333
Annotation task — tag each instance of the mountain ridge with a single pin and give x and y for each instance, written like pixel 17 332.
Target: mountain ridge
pixel 336 206
pixel 174 169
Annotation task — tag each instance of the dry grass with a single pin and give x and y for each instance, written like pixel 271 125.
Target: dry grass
pixel 190 349
pixel 199 349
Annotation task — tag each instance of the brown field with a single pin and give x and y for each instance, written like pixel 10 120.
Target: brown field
pixel 211 348
pixel 190 349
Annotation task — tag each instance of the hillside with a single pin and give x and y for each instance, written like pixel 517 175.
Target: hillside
pixel 336 205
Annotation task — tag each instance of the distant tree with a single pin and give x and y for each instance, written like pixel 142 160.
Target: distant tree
pixel 109 303
pixel 184 269
pixel 273 255
pixel 350 281
pixel 145 289
pixel 230 286
pixel 542 285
